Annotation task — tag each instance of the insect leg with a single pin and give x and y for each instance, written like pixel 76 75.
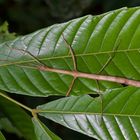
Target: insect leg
pixel 111 56
pixel 74 65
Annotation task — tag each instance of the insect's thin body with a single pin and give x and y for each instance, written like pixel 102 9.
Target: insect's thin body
pixel 77 74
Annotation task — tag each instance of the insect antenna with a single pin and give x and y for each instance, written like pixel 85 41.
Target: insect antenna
pixel 29 54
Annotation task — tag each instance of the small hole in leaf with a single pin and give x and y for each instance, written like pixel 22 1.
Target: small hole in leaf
pixel 124 85
pixel 94 95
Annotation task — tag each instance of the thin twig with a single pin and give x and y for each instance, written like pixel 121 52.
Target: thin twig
pixel 32 111
pixel 16 102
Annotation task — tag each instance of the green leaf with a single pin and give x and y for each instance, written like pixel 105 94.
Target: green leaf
pixel 120 120
pixel 93 39
pixel 18 118
pixel 1 136
pixel 42 132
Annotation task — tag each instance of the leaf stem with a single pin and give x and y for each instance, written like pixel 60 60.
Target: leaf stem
pixel 16 102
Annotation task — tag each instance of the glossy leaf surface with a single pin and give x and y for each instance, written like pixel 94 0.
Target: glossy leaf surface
pixel 120 118
pixel 18 118
pixel 42 132
pixel 94 39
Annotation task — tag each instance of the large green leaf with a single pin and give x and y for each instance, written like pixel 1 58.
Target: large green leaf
pixel 1 136
pixel 120 120
pixel 93 40
pixel 18 118
pixel 42 132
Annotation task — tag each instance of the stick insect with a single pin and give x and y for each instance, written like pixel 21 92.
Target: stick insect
pixel 42 65
pixel 115 79
pixel 75 73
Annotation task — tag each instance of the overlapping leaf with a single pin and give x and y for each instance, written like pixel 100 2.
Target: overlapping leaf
pixel 120 120
pixel 18 118
pixel 93 39
pixel 42 132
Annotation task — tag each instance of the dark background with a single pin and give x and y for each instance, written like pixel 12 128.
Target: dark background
pixel 26 16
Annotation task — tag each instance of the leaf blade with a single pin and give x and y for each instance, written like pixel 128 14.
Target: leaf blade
pixel 93 39
pixel 42 132
pixel 18 118
pixel 121 115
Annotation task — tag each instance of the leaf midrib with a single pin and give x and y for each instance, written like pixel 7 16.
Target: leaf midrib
pixel 88 113
pixel 68 56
